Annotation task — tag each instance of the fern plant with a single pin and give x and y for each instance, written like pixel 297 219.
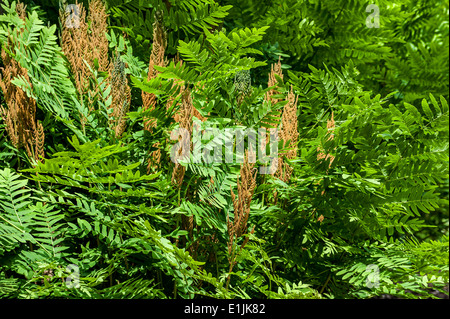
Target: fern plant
pixel 356 208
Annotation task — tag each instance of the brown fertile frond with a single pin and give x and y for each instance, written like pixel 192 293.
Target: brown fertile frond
pixel 185 120
pixel 321 155
pixel 156 59
pixel 172 99
pixel 155 158
pixel 75 45
pixel 184 116
pixel 19 116
pixel 275 70
pixel 121 96
pixel 84 42
pixel 289 131
pixel 98 20
pixel 246 187
pixel 149 99
pixel 21 10
pixel 238 227
pixel 40 136
pixel 186 111
pixel 178 174
pixel 289 134
pixel 8 120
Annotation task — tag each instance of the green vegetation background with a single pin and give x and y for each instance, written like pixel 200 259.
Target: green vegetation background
pixel 92 203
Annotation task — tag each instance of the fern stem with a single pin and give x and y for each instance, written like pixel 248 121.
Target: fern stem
pixel 326 283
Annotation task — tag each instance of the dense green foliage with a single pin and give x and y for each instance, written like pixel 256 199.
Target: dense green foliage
pixel 94 204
